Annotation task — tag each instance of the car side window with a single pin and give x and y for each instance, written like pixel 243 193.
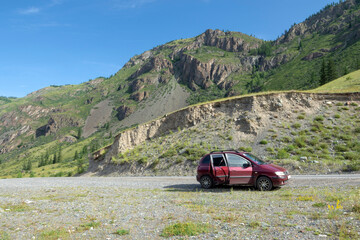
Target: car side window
pixel 237 161
pixel 218 160
pixel 206 160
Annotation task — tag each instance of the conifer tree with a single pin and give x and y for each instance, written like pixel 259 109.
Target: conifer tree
pixel 323 77
pixel 331 70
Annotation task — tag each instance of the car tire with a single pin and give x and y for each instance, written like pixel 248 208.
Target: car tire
pixel 206 182
pixel 264 184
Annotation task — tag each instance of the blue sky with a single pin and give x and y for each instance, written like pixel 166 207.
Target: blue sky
pixel 56 42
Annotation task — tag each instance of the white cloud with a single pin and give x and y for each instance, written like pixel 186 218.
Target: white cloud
pixel 30 10
pixel 125 4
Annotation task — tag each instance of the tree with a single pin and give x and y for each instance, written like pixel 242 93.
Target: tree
pixel 27 166
pixel 54 158
pixel 79 133
pixel 80 165
pixel 331 70
pixel 323 77
pixel 76 155
pixel 59 155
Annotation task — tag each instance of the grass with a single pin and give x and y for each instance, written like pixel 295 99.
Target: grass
pixel 185 229
pixel 122 232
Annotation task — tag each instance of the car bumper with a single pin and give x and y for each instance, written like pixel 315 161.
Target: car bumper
pixel 277 181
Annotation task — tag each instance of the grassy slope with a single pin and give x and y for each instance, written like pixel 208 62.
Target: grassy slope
pixel 346 83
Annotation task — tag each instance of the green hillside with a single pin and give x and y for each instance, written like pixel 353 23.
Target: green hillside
pixel 346 83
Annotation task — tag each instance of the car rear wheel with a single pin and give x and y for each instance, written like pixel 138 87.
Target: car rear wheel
pixel 206 182
pixel 264 184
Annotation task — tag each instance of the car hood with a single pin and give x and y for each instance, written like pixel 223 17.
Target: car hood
pixel 272 167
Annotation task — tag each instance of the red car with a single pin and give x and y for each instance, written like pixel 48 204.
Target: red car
pixel 239 168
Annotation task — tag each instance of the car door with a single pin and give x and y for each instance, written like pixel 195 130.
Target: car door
pixel 220 169
pixel 240 169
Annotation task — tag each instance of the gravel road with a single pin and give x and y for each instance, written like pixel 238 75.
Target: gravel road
pixel 142 207
pixel 164 182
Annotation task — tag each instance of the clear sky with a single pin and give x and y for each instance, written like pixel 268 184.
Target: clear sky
pixel 57 42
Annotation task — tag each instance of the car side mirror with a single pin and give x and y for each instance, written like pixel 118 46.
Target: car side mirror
pixel 246 165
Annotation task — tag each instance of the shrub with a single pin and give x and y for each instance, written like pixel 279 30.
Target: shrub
pixel 245 149
pixel 337 116
pixel 270 150
pixel 299 142
pixel 286 139
pixel 351 155
pixel 142 160
pixel 185 229
pixel 282 154
pixel 263 142
pixel 319 118
pixel 122 232
pixel 301 117
pixel 341 148
pixel 290 148
pixel 296 125
pixel 169 153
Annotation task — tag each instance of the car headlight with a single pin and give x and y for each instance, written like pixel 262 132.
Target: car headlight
pixel 280 174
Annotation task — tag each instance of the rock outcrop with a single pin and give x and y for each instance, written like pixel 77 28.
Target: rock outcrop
pixel 123 112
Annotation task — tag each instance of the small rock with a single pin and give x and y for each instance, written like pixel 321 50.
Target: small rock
pixel 322 235
pixel 28 201
pixel 303 159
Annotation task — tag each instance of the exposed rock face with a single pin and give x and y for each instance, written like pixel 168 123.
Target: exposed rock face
pixel 322 23
pixel 123 112
pixel 312 56
pixel 220 39
pixel 154 64
pixel 251 114
pixel 139 96
pixel 202 74
pixel 50 127
pixel 54 124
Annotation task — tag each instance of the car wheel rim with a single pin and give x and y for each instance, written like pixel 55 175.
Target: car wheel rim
pixel 264 184
pixel 206 182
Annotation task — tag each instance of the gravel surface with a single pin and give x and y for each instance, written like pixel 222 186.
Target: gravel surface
pixel 142 207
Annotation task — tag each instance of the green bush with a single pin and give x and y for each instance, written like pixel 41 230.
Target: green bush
pixel 185 229
pixel 337 116
pixel 341 148
pixel 169 153
pixel 301 117
pixel 351 155
pixel 286 139
pixel 245 149
pixel 319 118
pixel 299 142
pixel 282 154
pixel 296 125
pixel 263 142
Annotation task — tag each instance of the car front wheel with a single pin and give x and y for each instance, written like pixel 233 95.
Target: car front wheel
pixel 206 182
pixel 264 184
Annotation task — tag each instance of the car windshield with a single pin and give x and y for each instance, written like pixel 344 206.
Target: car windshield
pixel 255 159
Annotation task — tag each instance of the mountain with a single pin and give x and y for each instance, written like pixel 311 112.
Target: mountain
pixel 51 131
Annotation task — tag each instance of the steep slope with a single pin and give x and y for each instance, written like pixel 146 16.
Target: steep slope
pixel 276 126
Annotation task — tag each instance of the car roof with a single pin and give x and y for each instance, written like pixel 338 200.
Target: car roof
pixel 227 151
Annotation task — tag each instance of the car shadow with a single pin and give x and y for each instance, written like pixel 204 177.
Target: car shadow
pixel 198 188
